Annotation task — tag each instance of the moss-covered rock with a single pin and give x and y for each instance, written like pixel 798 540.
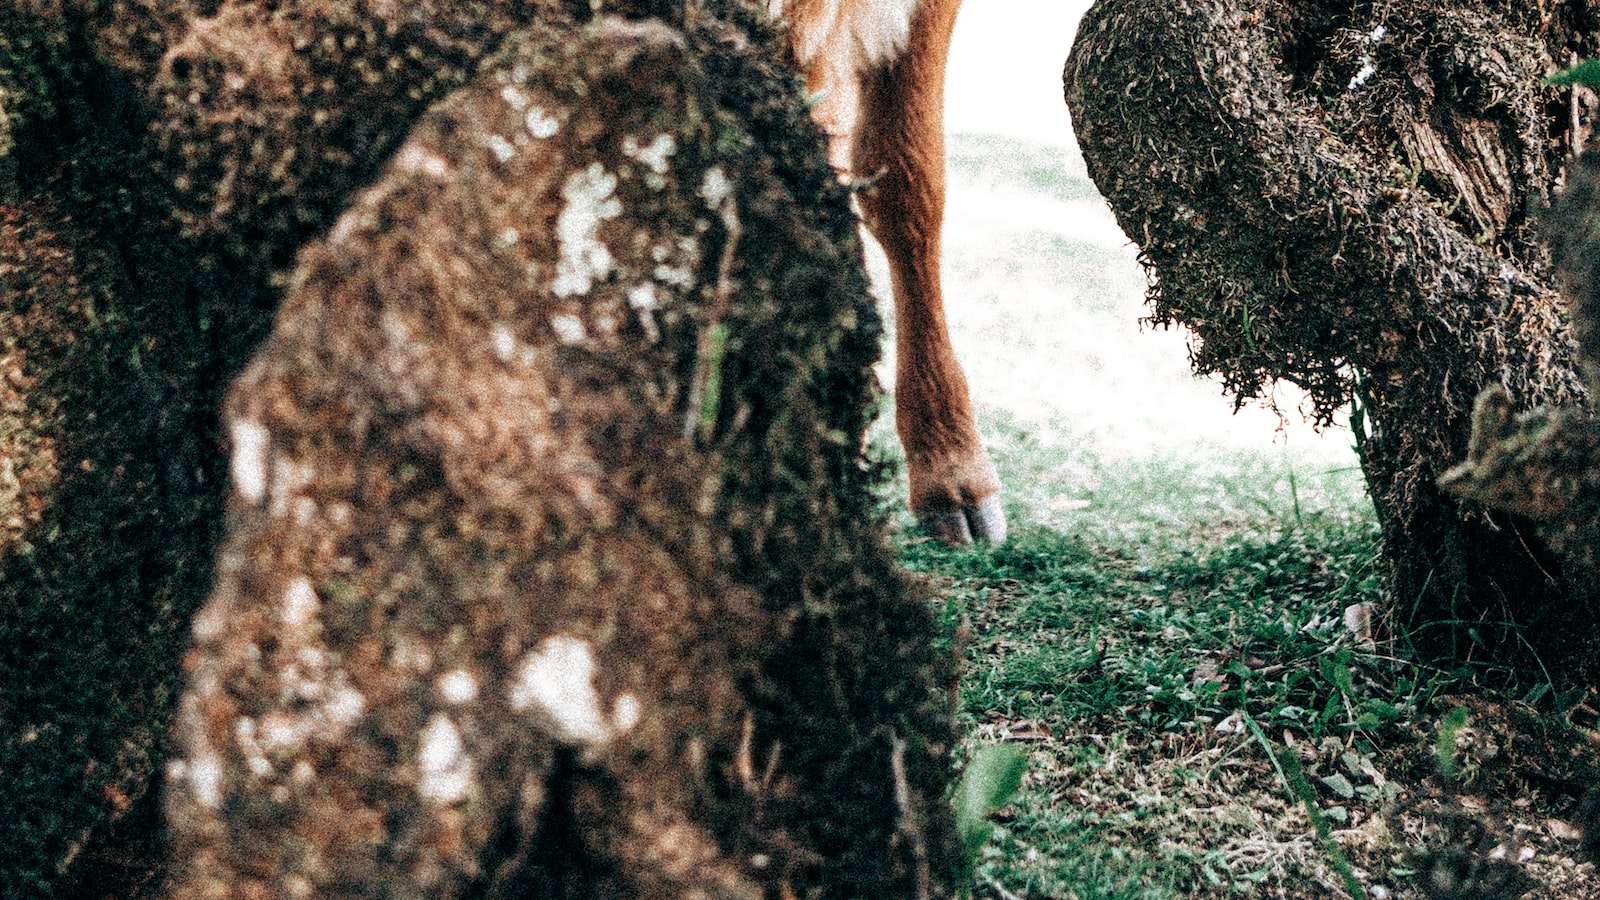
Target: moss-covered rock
pixel 553 568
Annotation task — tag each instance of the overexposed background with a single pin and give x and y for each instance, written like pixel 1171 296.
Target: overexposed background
pixel 1044 294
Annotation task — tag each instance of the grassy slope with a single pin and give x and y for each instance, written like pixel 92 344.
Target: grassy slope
pixel 1167 631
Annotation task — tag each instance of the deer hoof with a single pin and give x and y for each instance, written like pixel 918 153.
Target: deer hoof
pixel 984 521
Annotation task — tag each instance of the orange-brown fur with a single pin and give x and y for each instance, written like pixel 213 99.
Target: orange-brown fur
pixel 876 69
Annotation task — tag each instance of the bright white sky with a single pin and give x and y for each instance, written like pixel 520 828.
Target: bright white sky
pixel 1005 68
pixel 1005 79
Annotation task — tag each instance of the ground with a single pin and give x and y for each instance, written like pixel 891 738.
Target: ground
pixel 1186 632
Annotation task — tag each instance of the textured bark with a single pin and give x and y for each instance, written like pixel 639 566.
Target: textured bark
pixel 536 399
pixel 1340 195
pixel 1545 463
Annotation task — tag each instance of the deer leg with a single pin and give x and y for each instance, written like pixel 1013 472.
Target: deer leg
pixel 900 134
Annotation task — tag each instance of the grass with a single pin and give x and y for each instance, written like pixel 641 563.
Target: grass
pixel 1116 649
pixel 1202 720
pixel 1186 629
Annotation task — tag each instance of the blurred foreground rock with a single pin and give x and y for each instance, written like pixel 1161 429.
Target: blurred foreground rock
pixel 552 559
pixel 552 567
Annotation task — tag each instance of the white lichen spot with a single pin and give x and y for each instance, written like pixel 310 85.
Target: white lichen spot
pixel 1368 69
pixel 394 328
pixel 642 298
pixel 300 605
pixel 457 686
pixel 583 258
pixel 288 476
pixel 625 712
pixel 515 97
pixel 410 655
pixel 715 187
pixel 302 774
pixel 249 462
pixel 446 772
pixel 557 679
pixel 280 732
pixel 510 236
pixel 413 158
pixel 677 276
pixel 345 707
pixel 204 773
pixel 569 329
pixel 541 124
pixel 340 513
pixel 500 147
pixel 656 154
pixel 504 342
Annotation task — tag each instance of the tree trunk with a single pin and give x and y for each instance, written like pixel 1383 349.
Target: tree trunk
pixel 1341 195
pixel 1545 463
pixel 551 567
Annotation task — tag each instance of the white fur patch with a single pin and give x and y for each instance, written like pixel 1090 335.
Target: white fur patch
pixel 413 158
pixel 204 772
pixel 858 33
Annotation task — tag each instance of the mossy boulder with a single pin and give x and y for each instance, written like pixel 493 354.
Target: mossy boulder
pixel 553 567
pixel 154 193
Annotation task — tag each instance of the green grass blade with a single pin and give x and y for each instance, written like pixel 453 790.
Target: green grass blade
pixel 990 780
pixel 1586 73
pixel 1294 780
